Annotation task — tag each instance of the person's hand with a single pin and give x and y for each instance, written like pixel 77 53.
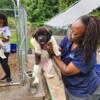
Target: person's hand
pixel 5 39
pixel 49 48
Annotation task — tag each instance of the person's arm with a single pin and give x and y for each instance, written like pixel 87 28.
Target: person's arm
pixel 5 39
pixel 6 34
pixel 67 70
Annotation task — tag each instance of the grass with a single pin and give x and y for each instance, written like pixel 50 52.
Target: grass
pixel 13 40
pixel 29 44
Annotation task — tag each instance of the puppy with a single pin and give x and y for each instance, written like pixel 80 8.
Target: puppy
pixel 39 40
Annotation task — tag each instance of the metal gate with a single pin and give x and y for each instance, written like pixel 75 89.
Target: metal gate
pixel 22 40
pixel 21 35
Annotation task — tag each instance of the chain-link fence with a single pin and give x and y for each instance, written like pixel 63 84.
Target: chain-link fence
pixel 17 11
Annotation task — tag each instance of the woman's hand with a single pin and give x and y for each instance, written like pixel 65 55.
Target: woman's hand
pixel 67 70
pixel 49 48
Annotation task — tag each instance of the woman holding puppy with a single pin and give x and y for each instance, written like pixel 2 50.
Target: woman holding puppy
pixel 78 59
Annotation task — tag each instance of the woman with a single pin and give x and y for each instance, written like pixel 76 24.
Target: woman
pixel 4 29
pixel 78 59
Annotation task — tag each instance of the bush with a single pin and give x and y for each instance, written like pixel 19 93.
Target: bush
pixel 12 22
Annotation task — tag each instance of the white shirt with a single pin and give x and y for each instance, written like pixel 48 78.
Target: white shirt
pixel 6 33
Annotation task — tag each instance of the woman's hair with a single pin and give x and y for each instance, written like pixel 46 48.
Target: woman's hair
pixel 4 18
pixel 92 36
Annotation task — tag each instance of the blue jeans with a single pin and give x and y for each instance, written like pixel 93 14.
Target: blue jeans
pixel 94 96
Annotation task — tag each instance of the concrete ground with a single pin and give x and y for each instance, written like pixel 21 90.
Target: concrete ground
pixel 17 92
pixel 21 92
pixel 13 63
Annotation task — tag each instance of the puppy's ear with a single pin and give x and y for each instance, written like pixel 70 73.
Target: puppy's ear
pixel 50 32
pixel 35 35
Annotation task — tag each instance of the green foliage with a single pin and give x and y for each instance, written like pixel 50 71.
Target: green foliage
pixel 96 12
pixel 6 4
pixel 65 3
pixel 42 10
pixel 11 22
pixel 13 38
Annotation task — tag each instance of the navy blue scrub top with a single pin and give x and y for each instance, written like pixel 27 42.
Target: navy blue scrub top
pixel 84 83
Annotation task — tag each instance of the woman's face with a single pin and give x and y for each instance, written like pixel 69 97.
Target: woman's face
pixel 76 31
pixel 1 22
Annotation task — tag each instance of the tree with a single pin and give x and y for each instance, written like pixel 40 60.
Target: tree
pixel 41 10
pixel 61 5
pixel 6 4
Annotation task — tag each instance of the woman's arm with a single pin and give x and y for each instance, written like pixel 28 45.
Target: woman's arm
pixel 67 70
pixel 5 39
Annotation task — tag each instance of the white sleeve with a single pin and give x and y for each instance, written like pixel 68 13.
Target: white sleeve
pixel 7 32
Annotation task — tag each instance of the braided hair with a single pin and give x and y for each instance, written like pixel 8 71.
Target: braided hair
pixel 91 36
